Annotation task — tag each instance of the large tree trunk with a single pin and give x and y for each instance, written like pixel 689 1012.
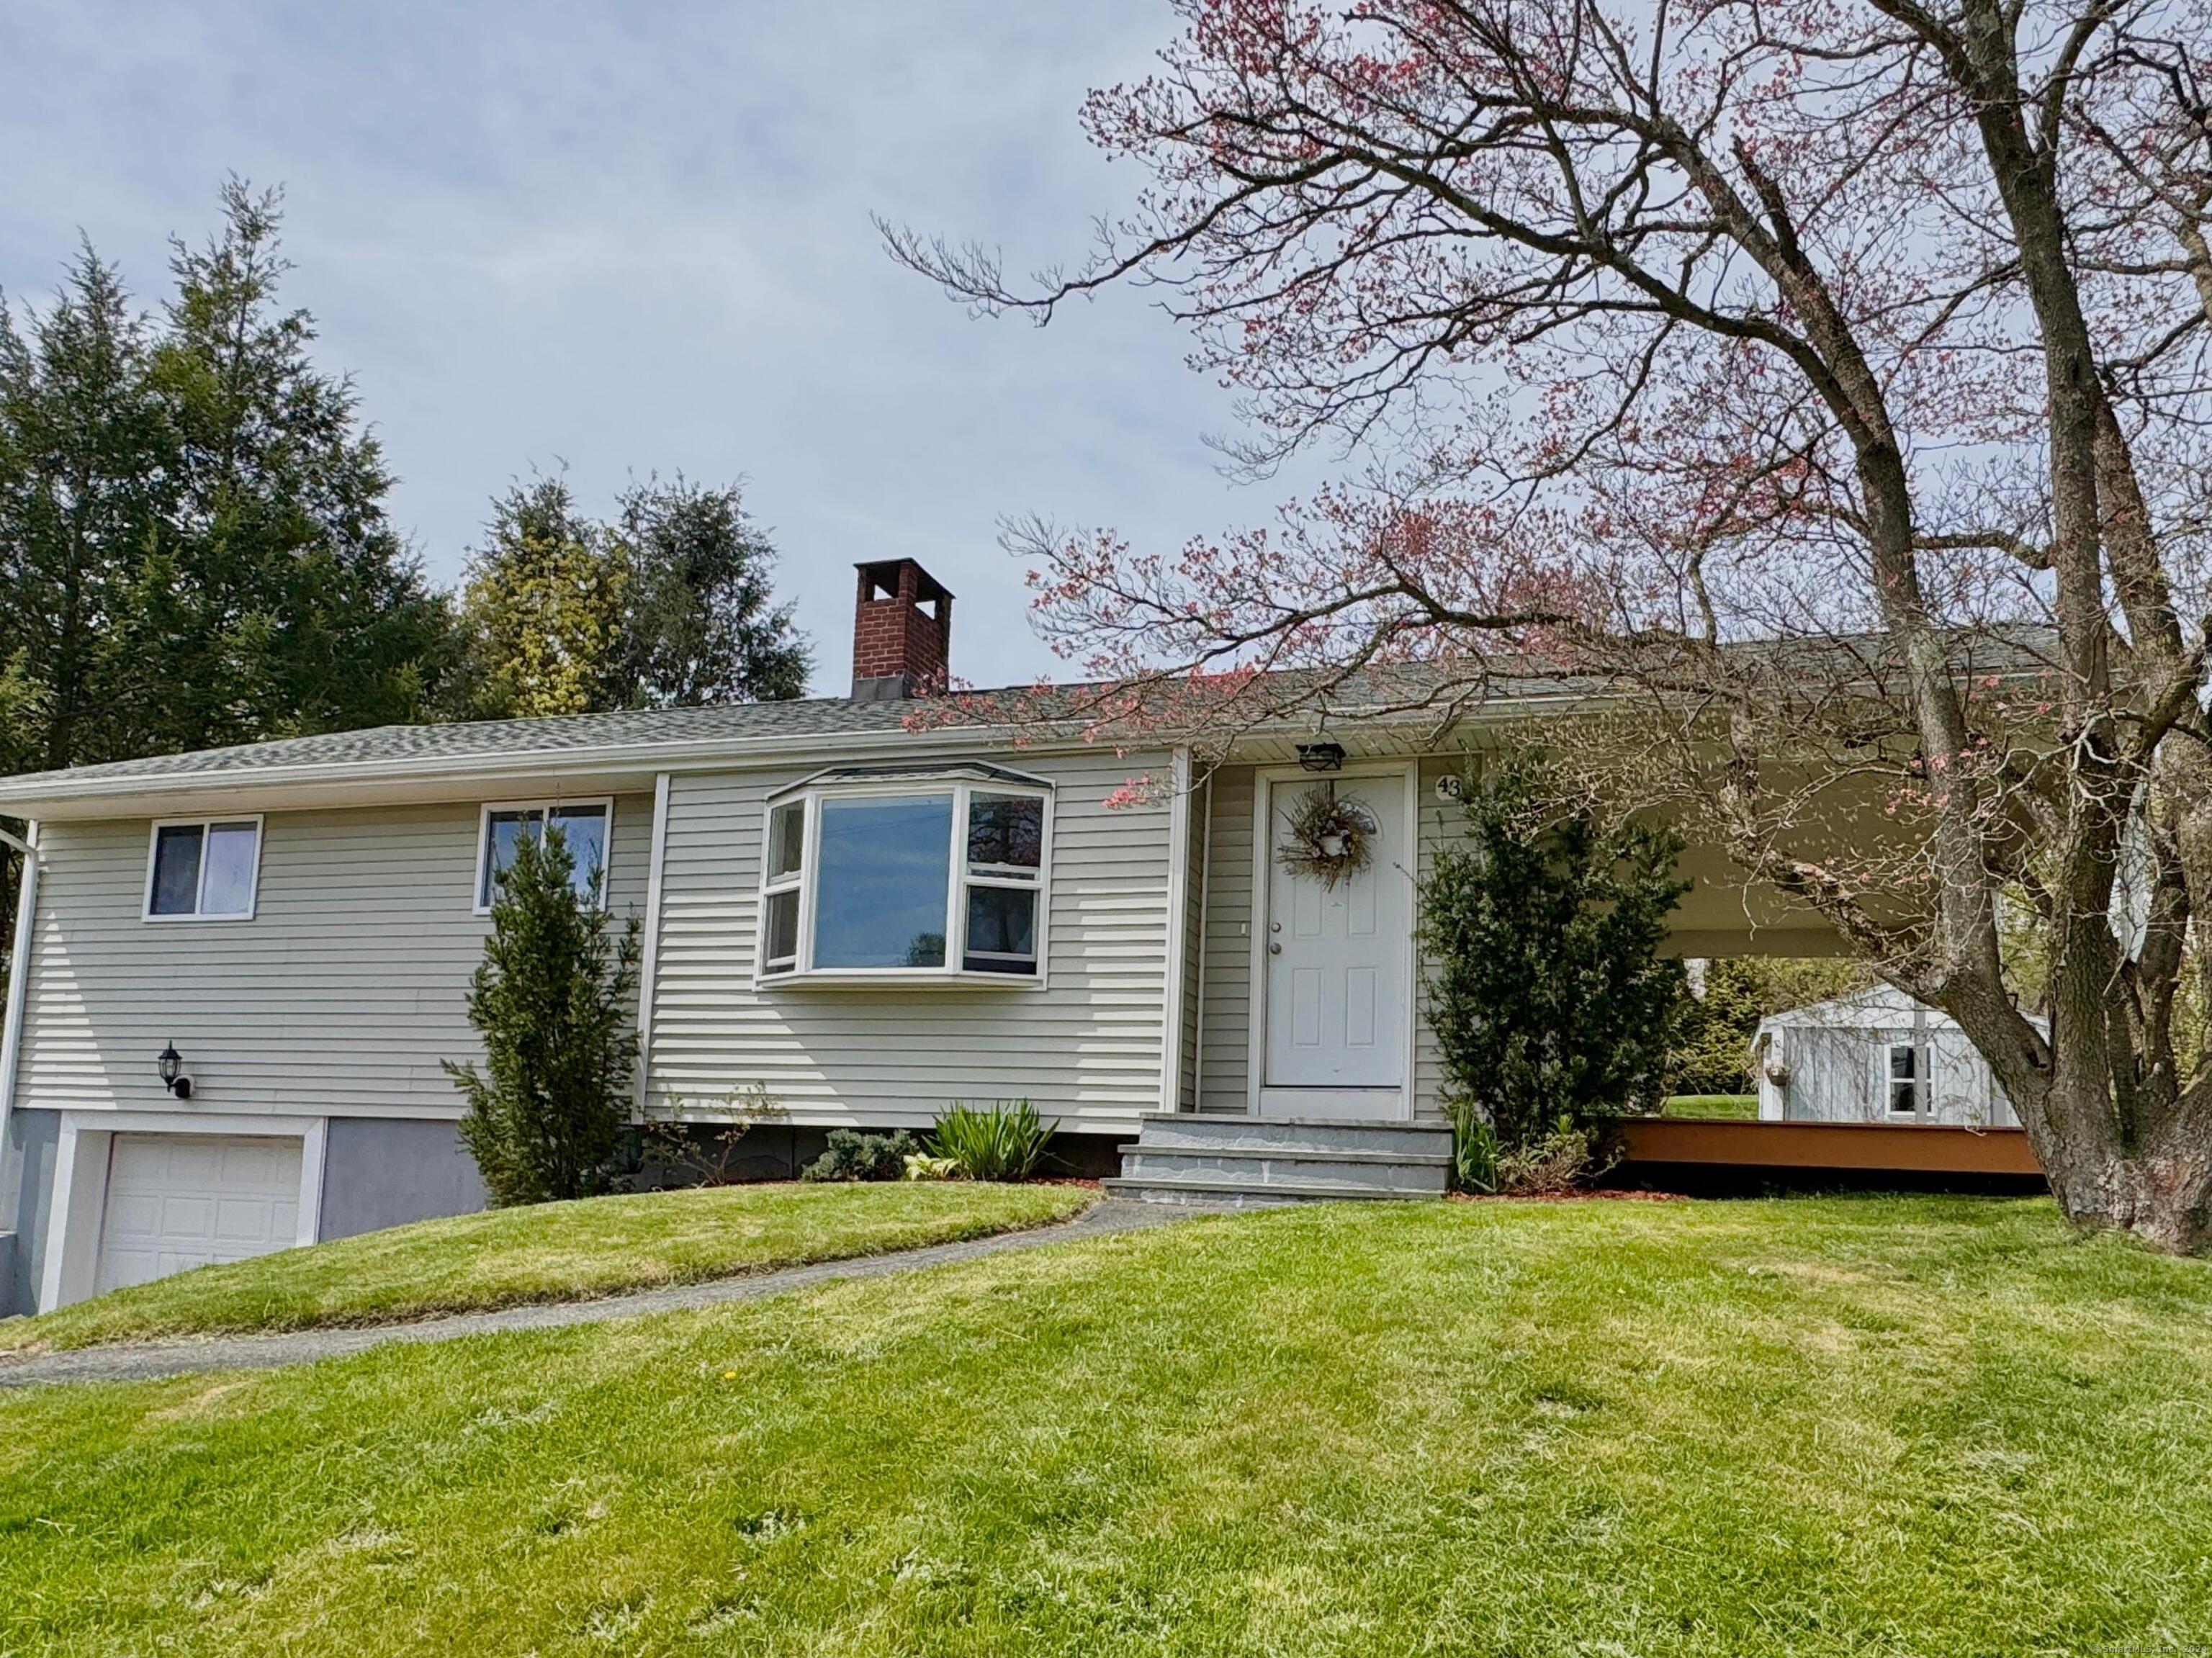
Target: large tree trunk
pixel 2118 1154
pixel 2160 1190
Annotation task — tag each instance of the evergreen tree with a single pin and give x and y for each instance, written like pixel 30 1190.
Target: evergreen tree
pixel 543 609
pixel 193 546
pixel 702 625
pixel 285 602
pixel 552 999
pixel 669 607
pixel 86 490
pixel 1548 996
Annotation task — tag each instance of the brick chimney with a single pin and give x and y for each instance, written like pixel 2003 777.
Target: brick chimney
pixel 901 632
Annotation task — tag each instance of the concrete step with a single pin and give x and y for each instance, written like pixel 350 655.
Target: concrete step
pixel 1386 1174
pixel 1186 1131
pixel 1239 1195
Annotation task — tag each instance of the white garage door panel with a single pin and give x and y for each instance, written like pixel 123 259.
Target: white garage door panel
pixel 180 1201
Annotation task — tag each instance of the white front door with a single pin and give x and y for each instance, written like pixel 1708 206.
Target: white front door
pixel 1337 963
pixel 180 1201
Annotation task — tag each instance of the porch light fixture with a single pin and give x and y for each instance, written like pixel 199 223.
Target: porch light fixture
pixel 171 1067
pixel 1321 756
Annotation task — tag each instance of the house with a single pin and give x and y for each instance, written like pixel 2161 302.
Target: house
pixel 1877 1055
pixel 240 971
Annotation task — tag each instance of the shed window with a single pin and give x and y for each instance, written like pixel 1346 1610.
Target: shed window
pixel 1907 1079
pixel 913 878
pixel 583 826
pixel 207 869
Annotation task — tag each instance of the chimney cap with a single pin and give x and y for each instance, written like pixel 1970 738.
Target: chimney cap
pixel 884 572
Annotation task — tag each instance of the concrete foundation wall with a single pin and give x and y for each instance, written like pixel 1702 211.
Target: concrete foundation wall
pixel 386 1171
pixel 778 1151
pixel 33 1139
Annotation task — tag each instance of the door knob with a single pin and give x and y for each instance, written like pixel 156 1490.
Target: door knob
pixel 1274 949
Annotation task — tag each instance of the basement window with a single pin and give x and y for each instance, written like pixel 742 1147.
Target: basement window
pixel 907 876
pixel 204 870
pixel 583 825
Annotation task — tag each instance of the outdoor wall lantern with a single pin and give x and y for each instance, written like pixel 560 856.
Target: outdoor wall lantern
pixel 1321 756
pixel 172 1067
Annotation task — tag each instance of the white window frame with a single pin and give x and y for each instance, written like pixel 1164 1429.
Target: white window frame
pixel 792 881
pixel 1923 1079
pixel 810 798
pixel 200 893
pixel 477 884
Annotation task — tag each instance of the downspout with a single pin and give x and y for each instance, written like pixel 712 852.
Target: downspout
pixel 649 958
pixel 11 1036
pixel 1178 933
pixel 1205 924
pixel 19 977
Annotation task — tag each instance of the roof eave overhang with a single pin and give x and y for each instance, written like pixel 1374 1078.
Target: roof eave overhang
pixel 620 768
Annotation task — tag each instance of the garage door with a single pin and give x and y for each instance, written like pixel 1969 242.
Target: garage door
pixel 180 1201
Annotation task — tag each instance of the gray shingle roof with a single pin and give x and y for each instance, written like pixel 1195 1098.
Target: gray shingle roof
pixel 435 746
pixel 1400 690
pixel 735 723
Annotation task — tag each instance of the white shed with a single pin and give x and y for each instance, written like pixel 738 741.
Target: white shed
pixel 1874 1056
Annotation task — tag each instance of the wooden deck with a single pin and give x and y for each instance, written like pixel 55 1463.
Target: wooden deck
pixel 1929 1149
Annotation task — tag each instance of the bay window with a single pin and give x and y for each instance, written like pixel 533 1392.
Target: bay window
pixel 923 877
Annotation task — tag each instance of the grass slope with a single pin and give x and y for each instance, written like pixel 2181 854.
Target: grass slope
pixel 546 1252
pixel 1732 1107
pixel 1902 1426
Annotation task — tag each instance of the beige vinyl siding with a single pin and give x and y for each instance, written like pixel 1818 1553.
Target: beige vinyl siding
pixel 1085 1047
pixel 1193 947
pixel 342 994
pixel 1225 1037
pixel 1441 822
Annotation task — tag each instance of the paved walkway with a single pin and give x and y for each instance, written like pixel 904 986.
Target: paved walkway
pixel 141 1363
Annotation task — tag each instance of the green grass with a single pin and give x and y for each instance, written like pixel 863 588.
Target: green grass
pixel 1919 1426
pixel 546 1252
pixel 1734 1108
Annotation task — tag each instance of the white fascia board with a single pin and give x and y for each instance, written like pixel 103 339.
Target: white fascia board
pixel 631 768
pixel 628 769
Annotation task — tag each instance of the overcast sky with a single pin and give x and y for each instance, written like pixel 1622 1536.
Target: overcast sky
pixel 635 237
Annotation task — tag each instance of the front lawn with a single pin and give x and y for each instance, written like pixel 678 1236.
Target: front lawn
pixel 547 1251
pixel 1808 1427
pixel 1730 1107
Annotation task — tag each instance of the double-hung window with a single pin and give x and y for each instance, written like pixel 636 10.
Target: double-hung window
pixel 583 825
pixel 1907 1079
pixel 907 878
pixel 204 870
pixel 787 860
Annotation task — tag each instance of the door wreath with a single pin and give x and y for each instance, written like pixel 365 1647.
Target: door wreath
pixel 1328 838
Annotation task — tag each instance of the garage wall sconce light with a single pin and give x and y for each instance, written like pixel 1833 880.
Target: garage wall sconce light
pixel 171 1067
